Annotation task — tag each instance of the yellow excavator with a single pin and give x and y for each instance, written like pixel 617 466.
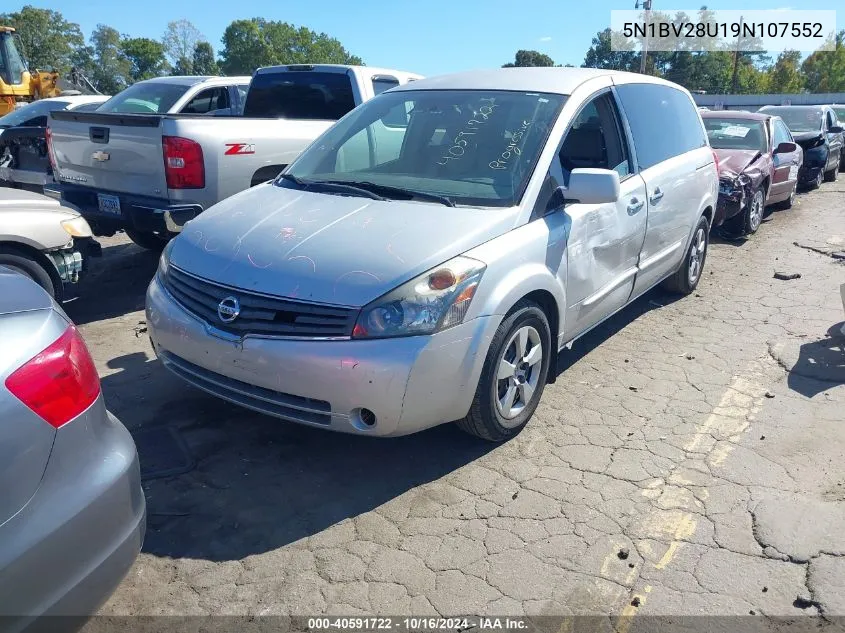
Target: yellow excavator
pixel 17 82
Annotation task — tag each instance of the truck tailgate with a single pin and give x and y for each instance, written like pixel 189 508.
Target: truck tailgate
pixel 110 152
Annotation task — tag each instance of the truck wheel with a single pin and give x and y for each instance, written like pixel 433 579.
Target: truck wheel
pixel 27 266
pixel 513 377
pixel 686 278
pixel 148 239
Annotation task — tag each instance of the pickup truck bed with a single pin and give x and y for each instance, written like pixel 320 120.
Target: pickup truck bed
pixel 152 173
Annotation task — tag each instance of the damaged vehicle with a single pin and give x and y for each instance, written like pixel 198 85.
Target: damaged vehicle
pixel 839 111
pixel 46 241
pixel 24 163
pixel 817 131
pixel 428 256
pixel 759 164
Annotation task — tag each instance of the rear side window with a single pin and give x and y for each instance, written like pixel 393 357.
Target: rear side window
pixel 208 100
pixel 145 98
pixel 663 120
pixel 300 95
pixel 782 133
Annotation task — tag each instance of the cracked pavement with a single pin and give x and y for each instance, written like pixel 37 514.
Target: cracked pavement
pixel 689 460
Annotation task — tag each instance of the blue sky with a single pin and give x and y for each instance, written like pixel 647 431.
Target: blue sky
pixel 429 37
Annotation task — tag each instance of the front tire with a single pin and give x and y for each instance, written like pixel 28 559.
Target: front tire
pixel 817 182
pixel 753 216
pixel 513 377
pixel 686 278
pixel 29 267
pixel 148 239
pixel 833 174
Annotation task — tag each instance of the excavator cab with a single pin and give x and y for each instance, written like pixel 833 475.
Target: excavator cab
pixel 17 83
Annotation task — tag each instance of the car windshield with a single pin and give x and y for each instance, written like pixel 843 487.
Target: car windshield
pixel 799 119
pixel 840 114
pixel 731 133
pixel 32 113
pixel 474 147
pixel 145 98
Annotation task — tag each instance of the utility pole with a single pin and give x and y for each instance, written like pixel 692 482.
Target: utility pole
pixel 644 55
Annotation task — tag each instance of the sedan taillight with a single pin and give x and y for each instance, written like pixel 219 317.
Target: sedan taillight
pixel 183 163
pixel 60 382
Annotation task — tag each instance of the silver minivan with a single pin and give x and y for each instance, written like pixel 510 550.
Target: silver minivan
pixel 426 258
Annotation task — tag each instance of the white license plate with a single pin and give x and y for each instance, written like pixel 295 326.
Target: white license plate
pixel 108 204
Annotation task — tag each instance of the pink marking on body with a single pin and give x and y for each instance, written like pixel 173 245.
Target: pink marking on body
pixel 252 261
pixel 305 258
pixel 366 223
pixel 287 232
pixel 295 292
pixel 198 236
pixel 354 272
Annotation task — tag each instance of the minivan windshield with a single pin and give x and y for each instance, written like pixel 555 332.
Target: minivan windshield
pixel 732 133
pixel 474 147
pixel 155 97
pixel 799 119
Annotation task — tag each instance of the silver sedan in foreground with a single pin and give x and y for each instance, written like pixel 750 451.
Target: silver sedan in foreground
pixel 72 512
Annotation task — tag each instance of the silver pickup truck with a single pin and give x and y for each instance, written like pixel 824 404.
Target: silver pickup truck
pixel 149 174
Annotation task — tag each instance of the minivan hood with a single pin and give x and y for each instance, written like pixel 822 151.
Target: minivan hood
pixel 333 249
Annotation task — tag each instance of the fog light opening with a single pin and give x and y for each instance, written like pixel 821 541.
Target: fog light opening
pixel 363 418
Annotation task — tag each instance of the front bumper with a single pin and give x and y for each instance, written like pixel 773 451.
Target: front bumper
pixel 71 263
pixel 408 383
pixel 807 175
pixel 141 213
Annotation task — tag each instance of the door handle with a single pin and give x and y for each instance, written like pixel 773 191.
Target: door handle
pixel 656 196
pixel 634 206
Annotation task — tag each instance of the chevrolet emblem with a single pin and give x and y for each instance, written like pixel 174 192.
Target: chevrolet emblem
pixel 100 156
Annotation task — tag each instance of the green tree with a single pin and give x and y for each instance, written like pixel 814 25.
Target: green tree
pixel 602 55
pixel 180 40
pixel 786 76
pixel 825 70
pixel 525 58
pixel 204 62
pixel 249 44
pixel 111 69
pixel 146 57
pixel 49 41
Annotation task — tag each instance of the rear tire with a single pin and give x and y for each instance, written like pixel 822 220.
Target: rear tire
pixel 686 278
pixel 513 378
pixel 148 239
pixel 29 267
pixel 787 204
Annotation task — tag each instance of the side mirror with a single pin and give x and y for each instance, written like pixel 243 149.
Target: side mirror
pixel 785 148
pixel 836 129
pixel 593 186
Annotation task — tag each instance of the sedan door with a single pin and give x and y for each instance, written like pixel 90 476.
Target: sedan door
pixel 785 170
pixel 604 239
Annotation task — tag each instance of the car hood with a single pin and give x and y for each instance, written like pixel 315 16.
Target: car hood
pixel 340 250
pixel 733 162
pixel 22 200
pixel 808 140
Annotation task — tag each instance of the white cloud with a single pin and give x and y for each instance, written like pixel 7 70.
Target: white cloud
pixel 547 38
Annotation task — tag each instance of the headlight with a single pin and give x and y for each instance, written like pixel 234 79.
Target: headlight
pixel 434 301
pixel 164 260
pixel 76 227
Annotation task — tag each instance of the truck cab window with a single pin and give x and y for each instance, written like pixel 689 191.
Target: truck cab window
pixel 595 140
pixel 208 101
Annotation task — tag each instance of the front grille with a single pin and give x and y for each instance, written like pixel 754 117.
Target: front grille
pixel 259 314
pixel 268 401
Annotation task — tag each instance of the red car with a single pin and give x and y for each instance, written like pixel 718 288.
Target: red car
pixel 758 166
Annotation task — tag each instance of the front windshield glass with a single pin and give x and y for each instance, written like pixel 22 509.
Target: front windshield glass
pixel 145 98
pixel 732 133
pixel 474 147
pixel 840 114
pixel 34 113
pixel 799 119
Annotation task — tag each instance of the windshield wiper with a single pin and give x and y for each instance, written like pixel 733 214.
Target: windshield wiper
pixel 388 190
pixel 331 185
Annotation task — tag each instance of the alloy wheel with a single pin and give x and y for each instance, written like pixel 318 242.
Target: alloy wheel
pixel 755 211
pixel 696 255
pixel 518 373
